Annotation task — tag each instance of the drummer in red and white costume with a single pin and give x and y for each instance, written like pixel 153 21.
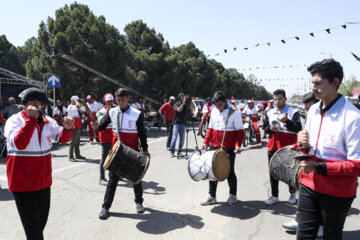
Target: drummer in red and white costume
pixel 242 106
pixel 139 105
pixel 106 136
pixel 328 182
pixel 206 112
pixel 29 136
pixel 73 112
pixel 94 107
pixel 270 106
pixel 253 111
pixel 128 125
pixel 266 110
pixel 59 112
pixel 233 140
pixel 282 124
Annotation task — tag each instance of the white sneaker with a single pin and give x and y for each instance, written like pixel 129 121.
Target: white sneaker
pixel 292 199
pixel 320 231
pixel 292 225
pixel 139 208
pixel 231 200
pixel 208 201
pixel 271 201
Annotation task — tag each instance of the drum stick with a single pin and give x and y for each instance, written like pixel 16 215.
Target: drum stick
pixel 259 145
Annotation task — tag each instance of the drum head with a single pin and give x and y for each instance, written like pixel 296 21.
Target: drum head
pixel 111 155
pixel 221 165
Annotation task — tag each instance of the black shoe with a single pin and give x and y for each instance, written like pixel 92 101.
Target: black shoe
pixel 104 214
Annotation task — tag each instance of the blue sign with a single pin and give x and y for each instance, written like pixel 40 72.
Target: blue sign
pixel 53 80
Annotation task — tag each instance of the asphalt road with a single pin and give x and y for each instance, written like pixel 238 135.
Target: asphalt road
pixel 172 201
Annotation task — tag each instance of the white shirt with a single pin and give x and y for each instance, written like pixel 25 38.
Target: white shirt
pixel 57 111
pixel 248 111
pixel 138 106
pixel 72 111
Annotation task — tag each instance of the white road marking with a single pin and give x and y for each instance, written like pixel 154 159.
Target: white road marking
pixel 2 178
pixel 68 167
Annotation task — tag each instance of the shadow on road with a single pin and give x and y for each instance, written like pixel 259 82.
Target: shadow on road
pixel 5 195
pixel 146 186
pixel 347 235
pixel 249 209
pixel 351 235
pixel 160 222
pixel 353 211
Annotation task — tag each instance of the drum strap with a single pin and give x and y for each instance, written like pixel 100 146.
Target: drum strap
pixel 118 129
pixel 231 111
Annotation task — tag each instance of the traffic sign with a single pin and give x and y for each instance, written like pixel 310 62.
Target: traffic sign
pixel 53 80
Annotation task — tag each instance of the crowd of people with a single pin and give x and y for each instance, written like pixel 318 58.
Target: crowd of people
pixel 328 180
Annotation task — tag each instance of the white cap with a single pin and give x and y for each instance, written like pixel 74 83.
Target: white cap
pixel 172 98
pixel 108 97
pixel 76 98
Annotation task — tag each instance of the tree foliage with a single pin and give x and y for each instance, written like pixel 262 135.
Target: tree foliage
pixel 139 58
pixel 347 86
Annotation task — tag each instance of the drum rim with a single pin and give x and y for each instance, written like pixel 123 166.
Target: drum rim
pixel 213 170
pixel 297 172
pixel 107 162
pixel 145 169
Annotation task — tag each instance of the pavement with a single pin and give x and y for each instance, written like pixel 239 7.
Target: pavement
pixel 172 201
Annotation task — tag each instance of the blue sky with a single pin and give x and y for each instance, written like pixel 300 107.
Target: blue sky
pixel 217 25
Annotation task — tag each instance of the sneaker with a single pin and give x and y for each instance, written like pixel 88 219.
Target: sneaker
pixel 292 199
pixel 320 231
pixel 103 182
pixel 180 155
pixel 231 200
pixel 80 157
pixel 139 208
pixel 292 225
pixel 209 200
pixel 172 155
pixel 72 159
pixel 271 201
pixel 104 214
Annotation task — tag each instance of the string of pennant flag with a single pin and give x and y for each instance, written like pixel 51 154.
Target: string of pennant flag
pixel 284 40
pixel 290 66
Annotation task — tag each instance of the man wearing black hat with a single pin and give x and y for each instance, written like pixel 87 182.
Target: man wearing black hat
pixel 29 135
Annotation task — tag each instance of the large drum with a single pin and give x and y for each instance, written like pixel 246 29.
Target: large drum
pixel 126 162
pixel 211 165
pixel 284 166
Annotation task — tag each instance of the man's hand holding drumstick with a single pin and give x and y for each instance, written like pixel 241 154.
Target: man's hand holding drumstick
pixel 306 166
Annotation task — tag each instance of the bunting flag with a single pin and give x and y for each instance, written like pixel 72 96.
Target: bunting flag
pixel 290 66
pixel 284 41
pixel 356 57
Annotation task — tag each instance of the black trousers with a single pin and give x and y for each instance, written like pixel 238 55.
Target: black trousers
pixel 232 180
pixel 105 148
pixel 111 188
pixel 316 208
pixel 169 129
pixel 275 183
pixel 33 208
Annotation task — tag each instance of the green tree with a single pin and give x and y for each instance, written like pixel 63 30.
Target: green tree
pixel 347 86
pixel 77 32
pixel 9 57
